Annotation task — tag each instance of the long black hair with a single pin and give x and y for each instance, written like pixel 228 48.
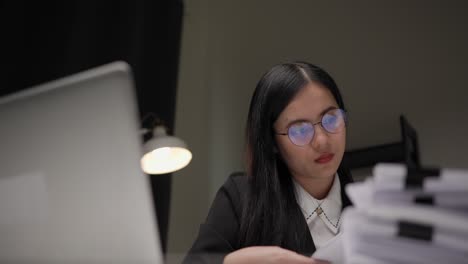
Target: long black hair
pixel 270 215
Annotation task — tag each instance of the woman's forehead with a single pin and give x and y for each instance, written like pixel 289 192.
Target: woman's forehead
pixel 309 102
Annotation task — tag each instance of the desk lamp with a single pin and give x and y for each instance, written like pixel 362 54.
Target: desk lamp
pixel 164 153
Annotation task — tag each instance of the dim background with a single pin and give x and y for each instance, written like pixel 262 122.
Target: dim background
pixel 387 57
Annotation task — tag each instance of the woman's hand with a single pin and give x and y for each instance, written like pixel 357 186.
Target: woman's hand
pixel 268 254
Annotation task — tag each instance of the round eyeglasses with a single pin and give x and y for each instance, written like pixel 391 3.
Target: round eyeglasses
pixel 301 133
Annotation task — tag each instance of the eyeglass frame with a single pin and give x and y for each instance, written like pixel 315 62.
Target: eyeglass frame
pixel 345 118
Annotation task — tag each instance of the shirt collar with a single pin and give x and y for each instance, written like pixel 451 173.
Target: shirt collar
pixel 330 205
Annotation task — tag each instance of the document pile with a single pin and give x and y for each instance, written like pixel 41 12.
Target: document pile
pixel 404 215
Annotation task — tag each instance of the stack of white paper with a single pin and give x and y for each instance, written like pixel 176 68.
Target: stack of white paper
pixel 405 215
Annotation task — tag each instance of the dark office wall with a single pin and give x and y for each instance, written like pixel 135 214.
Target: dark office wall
pixel 45 40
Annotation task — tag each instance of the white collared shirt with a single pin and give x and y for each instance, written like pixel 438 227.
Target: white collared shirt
pixel 322 216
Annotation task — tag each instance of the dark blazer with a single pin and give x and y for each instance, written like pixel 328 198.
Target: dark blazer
pixel 219 235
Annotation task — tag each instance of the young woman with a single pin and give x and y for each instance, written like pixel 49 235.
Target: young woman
pixel 289 202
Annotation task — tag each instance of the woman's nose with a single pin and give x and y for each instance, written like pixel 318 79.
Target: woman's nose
pixel 320 139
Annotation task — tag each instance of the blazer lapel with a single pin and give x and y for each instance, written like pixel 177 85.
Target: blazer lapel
pixel 345 178
pixel 309 246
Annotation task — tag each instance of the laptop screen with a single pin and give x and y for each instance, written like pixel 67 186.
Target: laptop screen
pixel 71 187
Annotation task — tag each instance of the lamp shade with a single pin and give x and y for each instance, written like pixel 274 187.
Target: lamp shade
pixel 164 154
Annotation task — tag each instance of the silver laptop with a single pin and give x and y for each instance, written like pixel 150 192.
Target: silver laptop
pixel 71 187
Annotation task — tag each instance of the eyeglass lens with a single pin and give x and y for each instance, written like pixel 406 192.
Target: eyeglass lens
pixel 301 133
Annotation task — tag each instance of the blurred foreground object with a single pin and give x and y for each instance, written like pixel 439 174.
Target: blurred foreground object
pixel 407 215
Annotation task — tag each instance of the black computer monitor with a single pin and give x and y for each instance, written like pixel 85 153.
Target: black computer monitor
pixel 410 143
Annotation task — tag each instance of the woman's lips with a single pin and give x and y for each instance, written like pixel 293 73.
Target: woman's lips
pixel 324 158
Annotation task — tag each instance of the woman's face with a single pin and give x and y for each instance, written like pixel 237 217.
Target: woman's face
pixel 320 157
